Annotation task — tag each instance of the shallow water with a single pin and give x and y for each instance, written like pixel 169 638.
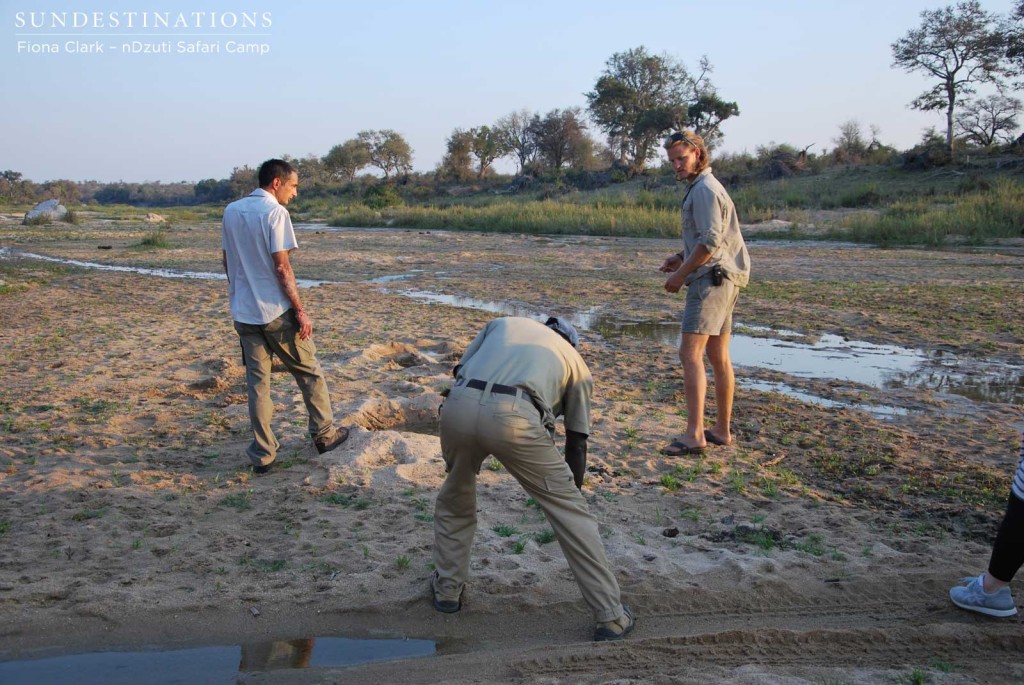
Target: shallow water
pixel 829 357
pixel 219 664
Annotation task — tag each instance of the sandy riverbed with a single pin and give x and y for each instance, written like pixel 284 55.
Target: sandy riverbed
pixel 819 548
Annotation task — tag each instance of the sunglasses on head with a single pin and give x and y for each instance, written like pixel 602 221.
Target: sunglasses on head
pixel 678 138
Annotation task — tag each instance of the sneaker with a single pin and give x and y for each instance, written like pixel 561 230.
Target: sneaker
pixel 444 602
pixel 331 440
pixel 972 596
pixel 617 629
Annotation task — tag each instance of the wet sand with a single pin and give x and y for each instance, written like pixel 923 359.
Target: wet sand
pixel 818 548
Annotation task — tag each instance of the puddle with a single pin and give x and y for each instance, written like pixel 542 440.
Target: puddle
pixel 6 253
pixel 831 356
pixel 879 411
pixel 207 664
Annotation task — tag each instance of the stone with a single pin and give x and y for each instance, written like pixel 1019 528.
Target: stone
pixel 50 208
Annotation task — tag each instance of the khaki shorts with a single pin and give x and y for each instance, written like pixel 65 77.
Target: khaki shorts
pixel 709 307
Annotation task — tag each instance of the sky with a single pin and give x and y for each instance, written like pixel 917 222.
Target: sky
pixel 796 68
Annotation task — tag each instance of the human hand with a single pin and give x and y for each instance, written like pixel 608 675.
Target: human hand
pixel 671 264
pixel 305 324
pixel 675 282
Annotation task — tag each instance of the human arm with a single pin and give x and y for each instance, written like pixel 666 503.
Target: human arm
pixel 696 259
pixel 224 261
pixel 286 279
pixel 576 455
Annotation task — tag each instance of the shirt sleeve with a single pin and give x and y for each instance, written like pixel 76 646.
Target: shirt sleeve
pixel 707 215
pixel 282 233
pixel 576 403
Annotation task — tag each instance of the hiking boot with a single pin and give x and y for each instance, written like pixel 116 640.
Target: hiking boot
pixel 447 597
pixel 331 440
pixel 617 629
pixel 972 596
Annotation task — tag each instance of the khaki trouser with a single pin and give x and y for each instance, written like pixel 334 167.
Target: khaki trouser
pixel 259 344
pixel 476 423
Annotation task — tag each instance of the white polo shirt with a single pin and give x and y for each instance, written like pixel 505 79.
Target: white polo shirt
pixel 254 228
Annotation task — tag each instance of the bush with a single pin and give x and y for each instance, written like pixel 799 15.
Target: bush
pixel 379 197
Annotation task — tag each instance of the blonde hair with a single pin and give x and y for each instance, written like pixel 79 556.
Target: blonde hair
pixel 693 139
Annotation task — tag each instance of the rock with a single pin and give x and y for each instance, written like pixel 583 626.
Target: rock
pixel 152 218
pixel 52 209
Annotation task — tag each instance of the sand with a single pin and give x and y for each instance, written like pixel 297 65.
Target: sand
pixel 819 548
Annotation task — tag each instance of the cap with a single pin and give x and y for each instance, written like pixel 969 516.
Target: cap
pixel 564 329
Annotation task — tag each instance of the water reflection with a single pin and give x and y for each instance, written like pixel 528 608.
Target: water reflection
pixel 207 664
pixel 830 356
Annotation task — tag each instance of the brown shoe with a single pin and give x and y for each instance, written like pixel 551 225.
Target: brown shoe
pixel 331 440
pixel 617 629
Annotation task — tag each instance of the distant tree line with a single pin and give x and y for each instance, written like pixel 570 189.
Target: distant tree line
pixel 637 99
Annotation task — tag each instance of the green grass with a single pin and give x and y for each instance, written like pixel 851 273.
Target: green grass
pixel 505 531
pixel 156 239
pixel 5 526
pixel 545 536
pixel 239 501
pixel 973 218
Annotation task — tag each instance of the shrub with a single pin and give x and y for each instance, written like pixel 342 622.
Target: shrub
pixel 379 197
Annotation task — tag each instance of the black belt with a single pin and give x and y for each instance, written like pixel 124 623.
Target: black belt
pixel 497 387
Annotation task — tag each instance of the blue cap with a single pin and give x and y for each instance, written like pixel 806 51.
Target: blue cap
pixel 564 329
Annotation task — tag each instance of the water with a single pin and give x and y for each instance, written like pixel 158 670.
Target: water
pixel 202 665
pixel 6 253
pixel 830 356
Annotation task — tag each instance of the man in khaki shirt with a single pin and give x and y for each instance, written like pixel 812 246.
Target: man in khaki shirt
pixel 513 380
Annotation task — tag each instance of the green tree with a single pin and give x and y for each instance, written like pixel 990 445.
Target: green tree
pixel 487 144
pixel 458 159
pixel 345 160
pixel 960 46
pixel 640 96
pixel 557 135
pixel 388 151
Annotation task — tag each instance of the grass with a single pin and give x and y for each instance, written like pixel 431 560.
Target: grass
pixel 5 526
pixel 156 239
pixel 505 531
pixel 545 536
pixel 240 501
pixel 89 514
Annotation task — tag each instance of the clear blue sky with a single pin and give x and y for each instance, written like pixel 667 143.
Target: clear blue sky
pixel 797 69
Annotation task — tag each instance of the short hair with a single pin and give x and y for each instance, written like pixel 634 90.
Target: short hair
pixel 274 168
pixel 684 137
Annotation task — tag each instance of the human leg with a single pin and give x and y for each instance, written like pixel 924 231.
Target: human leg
pixel 299 357
pixel 989 593
pixel 695 385
pixel 455 508
pixel 257 358
pixel 522 444
pixel 725 385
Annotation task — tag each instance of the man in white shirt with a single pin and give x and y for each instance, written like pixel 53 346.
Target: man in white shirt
pixel 257 239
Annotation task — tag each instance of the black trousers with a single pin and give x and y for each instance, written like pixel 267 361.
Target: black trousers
pixel 1008 549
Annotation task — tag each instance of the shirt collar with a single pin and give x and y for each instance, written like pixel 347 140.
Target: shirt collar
pixel 259 192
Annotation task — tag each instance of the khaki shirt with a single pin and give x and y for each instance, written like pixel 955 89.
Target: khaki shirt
pixel 709 219
pixel 526 354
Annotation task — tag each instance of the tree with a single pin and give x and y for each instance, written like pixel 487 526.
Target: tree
pixel 345 160
pixel 518 136
pixel 388 151
pixel 457 161
pixel 989 120
pixel 850 147
pixel 486 144
pixel 557 135
pixel 960 45
pixel 640 96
